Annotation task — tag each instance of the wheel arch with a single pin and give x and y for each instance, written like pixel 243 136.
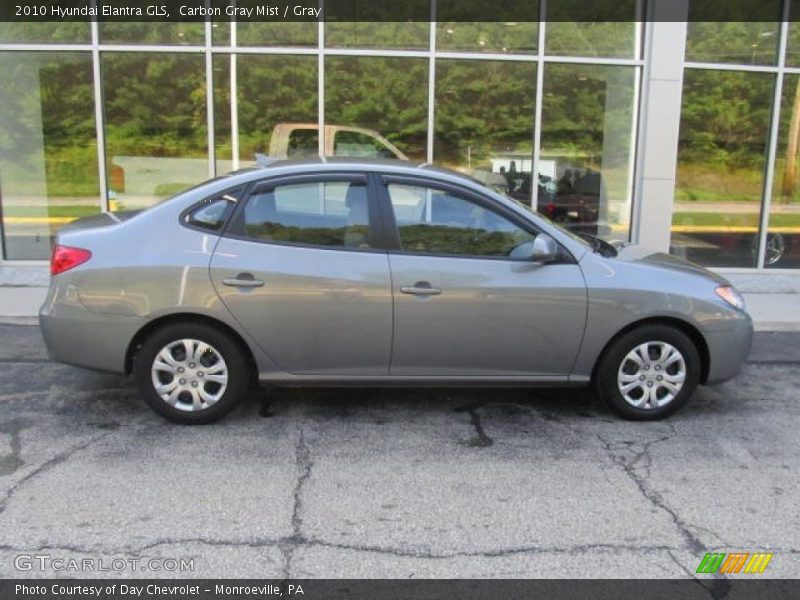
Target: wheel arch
pixel 187 318
pixel 685 327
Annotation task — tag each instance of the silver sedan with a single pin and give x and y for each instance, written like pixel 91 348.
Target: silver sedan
pixel 349 272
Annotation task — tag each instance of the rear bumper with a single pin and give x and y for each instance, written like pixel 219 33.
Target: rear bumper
pixel 77 336
pixel 728 347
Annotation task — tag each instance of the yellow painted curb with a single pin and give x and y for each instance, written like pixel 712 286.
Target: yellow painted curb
pixel 732 229
pixel 38 220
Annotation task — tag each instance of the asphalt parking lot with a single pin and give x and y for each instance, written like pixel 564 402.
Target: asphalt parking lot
pixel 397 483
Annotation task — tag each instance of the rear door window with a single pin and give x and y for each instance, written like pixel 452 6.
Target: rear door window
pixel 316 213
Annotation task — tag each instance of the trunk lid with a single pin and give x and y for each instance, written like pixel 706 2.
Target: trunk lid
pixel 98 221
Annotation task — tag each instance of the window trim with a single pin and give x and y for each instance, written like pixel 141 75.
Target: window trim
pixel 234 229
pixel 393 233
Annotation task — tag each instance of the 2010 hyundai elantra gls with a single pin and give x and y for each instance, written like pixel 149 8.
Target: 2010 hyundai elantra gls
pixel 350 272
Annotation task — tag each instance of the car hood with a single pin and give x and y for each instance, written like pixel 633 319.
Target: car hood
pixel 638 254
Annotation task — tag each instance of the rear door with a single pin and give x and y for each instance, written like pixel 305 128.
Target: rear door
pixel 300 269
pixel 463 305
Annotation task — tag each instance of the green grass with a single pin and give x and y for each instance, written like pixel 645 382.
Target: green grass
pixel 701 219
pixel 686 194
pixel 698 181
pixel 76 211
pixel 170 189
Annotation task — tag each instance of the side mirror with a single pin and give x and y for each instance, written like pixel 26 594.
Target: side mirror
pixel 542 249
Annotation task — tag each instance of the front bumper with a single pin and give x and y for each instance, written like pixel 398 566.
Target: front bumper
pixel 728 347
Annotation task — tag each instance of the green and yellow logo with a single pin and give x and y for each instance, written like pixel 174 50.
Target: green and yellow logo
pixel 735 562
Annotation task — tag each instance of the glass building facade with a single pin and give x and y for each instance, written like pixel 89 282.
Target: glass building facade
pixel 560 115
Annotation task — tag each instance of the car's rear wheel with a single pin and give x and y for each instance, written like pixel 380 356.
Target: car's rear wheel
pixel 191 373
pixel 648 373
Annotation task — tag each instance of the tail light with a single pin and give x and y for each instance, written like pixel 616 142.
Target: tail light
pixel 65 258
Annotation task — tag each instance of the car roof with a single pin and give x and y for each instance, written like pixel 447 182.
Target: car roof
pixel 346 163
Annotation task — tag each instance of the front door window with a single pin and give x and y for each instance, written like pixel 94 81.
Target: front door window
pixel 436 221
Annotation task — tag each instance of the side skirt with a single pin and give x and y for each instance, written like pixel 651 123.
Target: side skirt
pixel 429 381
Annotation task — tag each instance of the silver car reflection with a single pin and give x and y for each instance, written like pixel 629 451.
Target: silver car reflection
pixel 350 272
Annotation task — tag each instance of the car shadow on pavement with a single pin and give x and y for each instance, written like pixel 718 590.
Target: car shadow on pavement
pixel 342 403
pixel 74 391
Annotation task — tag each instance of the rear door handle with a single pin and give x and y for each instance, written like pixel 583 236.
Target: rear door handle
pixel 421 288
pixel 243 280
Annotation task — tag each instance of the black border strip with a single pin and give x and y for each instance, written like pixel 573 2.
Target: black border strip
pixel 746 586
pixel 417 11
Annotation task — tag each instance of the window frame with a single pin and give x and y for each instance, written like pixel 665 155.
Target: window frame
pixel 394 245
pixel 235 226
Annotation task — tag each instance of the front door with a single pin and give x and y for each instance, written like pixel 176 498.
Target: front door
pixel 463 306
pixel 299 269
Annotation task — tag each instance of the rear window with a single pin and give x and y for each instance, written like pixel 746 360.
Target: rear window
pixel 355 143
pixel 303 143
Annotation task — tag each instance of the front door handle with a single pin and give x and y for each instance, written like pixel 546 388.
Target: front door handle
pixel 243 280
pixel 421 288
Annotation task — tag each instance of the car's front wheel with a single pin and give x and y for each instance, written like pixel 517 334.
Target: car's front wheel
pixel 648 373
pixel 191 373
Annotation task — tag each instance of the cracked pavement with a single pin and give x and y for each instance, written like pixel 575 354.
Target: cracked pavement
pixel 398 483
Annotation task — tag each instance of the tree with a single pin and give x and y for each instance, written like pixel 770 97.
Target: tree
pixel 789 183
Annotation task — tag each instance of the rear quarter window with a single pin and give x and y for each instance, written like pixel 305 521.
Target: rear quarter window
pixel 213 213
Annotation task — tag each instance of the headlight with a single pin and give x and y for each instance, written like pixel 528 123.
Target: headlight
pixel 731 296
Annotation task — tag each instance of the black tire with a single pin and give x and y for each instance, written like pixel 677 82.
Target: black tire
pixel 235 360
pixel 608 368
